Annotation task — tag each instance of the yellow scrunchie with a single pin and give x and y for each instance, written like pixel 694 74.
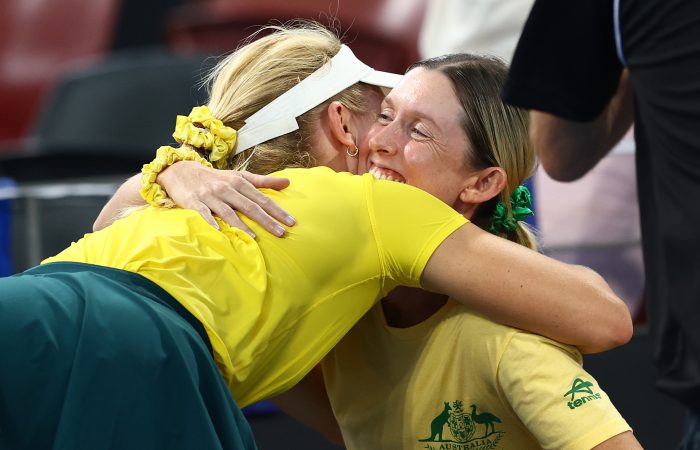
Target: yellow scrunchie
pixel 165 157
pixel 215 136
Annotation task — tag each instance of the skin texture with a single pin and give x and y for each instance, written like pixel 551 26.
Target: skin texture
pixel 418 134
pixel 415 138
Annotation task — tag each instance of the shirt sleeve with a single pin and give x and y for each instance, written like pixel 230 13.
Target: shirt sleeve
pixel 565 62
pixel 556 399
pixel 409 224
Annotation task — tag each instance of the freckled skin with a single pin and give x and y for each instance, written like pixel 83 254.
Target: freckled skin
pixel 418 136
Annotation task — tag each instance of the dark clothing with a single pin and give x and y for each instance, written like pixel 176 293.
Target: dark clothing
pixel 691 440
pixel 568 63
pixel 100 358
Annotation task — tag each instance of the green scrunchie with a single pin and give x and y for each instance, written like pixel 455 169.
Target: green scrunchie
pixel 521 207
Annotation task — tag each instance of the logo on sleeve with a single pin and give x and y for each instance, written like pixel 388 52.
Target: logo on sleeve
pixel 584 391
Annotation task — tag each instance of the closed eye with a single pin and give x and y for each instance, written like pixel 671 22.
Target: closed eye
pixel 419 133
pixel 383 118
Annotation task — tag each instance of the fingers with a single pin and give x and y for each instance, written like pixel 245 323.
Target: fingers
pixel 265 181
pixel 206 214
pixel 263 209
pixel 251 210
pixel 230 217
pixel 222 192
pixel 239 195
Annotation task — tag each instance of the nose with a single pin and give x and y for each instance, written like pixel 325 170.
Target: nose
pixel 384 138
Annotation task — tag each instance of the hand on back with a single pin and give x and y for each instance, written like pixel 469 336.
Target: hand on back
pixel 223 192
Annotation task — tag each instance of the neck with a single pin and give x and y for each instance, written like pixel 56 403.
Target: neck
pixel 405 307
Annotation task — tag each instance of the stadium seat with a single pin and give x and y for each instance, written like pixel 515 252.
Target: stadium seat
pixel 109 118
pixel 40 40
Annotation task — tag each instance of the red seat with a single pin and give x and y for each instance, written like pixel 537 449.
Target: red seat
pixel 383 33
pixel 40 40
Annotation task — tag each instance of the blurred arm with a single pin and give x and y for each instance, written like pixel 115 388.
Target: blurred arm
pixel 568 149
pixel 126 196
pixel 308 403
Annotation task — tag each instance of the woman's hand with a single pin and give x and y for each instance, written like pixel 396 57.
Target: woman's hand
pixel 222 192
pixel 208 191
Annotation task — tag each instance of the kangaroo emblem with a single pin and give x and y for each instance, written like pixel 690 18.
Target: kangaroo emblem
pixel 437 425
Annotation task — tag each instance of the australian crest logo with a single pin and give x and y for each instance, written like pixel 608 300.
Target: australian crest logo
pixel 580 393
pixel 456 429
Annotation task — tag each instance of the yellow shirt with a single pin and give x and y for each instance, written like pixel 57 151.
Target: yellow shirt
pixel 274 307
pixel 457 381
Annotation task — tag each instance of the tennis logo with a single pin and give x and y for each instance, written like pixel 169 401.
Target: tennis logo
pixel 584 391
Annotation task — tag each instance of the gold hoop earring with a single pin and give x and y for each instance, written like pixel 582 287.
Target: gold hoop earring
pixel 353 154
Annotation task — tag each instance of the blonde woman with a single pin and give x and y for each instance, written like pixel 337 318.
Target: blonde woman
pixel 108 341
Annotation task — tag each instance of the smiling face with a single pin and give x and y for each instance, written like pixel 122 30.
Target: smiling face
pixel 419 139
pixel 446 130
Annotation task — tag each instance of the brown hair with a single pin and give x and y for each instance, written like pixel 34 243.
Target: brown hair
pixel 498 132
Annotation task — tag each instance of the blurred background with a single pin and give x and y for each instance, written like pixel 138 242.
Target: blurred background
pixel 90 88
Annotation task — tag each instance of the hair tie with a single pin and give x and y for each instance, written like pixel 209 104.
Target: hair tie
pixel 166 156
pixel 521 208
pixel 203 131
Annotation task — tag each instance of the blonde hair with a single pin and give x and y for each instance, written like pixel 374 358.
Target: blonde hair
pixel 262 70
pixel 498 132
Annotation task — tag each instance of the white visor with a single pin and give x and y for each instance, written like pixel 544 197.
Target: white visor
pixel 279 116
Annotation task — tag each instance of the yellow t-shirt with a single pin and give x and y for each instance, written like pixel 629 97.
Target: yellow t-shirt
pixel 458 381
pixel 274 307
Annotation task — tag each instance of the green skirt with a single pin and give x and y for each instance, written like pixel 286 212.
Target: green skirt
pixel 98 358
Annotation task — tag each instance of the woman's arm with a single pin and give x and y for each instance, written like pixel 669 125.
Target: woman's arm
pixel 208 191
pixel 623 441
pixel 308 403
pixel 513 285
pixel 127 196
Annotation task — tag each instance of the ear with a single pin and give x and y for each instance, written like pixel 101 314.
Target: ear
pixel 339 117
pixel 482 187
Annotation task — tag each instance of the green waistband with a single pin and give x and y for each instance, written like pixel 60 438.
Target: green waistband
pixel 134 281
